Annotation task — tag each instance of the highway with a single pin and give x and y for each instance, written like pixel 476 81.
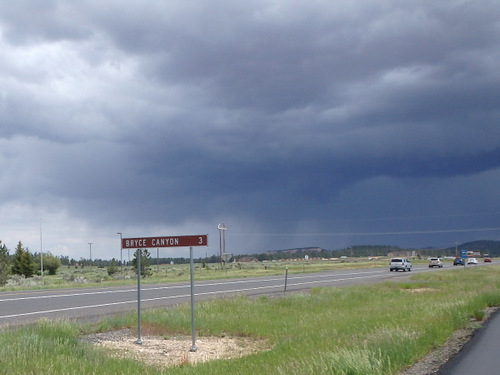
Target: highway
pixel 26 307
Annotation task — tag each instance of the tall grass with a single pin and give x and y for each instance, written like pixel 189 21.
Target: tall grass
pixel 368 329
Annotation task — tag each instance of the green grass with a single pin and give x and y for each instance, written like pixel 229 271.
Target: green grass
pixel 68 277
pixel 367 329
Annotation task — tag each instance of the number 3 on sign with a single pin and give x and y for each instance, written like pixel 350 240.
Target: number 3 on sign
pixel 200 240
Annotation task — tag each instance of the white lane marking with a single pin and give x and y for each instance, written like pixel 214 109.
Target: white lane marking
pixel 146 288
pixel 169 297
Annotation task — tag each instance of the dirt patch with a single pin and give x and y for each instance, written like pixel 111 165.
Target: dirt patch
pixel 175 351
pixel 421 290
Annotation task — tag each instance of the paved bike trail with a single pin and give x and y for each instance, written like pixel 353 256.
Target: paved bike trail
pixel 481 355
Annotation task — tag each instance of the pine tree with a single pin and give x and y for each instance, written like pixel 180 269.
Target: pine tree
pixel 145 262
pixel 4 264
pixel 23 263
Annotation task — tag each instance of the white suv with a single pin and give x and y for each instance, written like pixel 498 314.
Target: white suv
pixel 400 264
pixel 472 261
pixel 435 262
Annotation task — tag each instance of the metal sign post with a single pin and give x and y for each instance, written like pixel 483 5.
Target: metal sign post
pixel 286 279
pixel 139 334
pixel 172 241
pixel 193 329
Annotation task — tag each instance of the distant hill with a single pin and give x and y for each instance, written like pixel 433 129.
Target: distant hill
pixel 484 246
pixel 318 252
pixel 305 250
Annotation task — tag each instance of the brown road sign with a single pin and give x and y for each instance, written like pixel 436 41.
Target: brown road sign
pixel 170 241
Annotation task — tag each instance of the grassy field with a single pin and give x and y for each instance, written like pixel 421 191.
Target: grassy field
pixel 368 329
pixel 69 277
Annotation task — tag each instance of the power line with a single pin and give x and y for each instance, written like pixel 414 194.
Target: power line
pixel 370 233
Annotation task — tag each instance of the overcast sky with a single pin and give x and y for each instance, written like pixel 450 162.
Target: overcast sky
pixel 296 123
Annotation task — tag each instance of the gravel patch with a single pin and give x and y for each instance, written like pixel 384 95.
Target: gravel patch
pixel 174 351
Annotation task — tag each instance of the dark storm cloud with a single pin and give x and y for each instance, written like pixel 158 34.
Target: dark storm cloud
pixel 283 116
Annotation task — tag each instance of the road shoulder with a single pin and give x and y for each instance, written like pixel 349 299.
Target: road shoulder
pixel 438 360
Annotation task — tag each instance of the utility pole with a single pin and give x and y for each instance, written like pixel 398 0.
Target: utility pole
pixel 41 249
pixel 90 245
pixel 121 250
pixel 222 240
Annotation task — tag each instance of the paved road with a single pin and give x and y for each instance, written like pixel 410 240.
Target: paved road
pixel 481 355
pixel 26 307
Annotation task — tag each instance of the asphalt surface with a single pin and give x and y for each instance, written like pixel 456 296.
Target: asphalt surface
pixel 26 307
pixel 481 355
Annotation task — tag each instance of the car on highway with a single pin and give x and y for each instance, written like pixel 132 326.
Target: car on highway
pixel 435 262
pixel 487 260
pixel 400 264
pixel 472 261
pixel 458 262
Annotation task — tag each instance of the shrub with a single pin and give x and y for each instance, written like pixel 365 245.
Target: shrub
pixel 113 267
pixel 51 263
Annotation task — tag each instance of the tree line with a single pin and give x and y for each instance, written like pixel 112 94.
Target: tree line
pixel 484 246
pixel 28 264
pixel 25 263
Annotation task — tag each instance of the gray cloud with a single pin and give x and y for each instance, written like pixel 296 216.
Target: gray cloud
pixel 283 117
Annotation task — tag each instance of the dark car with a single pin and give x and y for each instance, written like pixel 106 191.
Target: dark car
pixel 458 262
pixel 487 259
